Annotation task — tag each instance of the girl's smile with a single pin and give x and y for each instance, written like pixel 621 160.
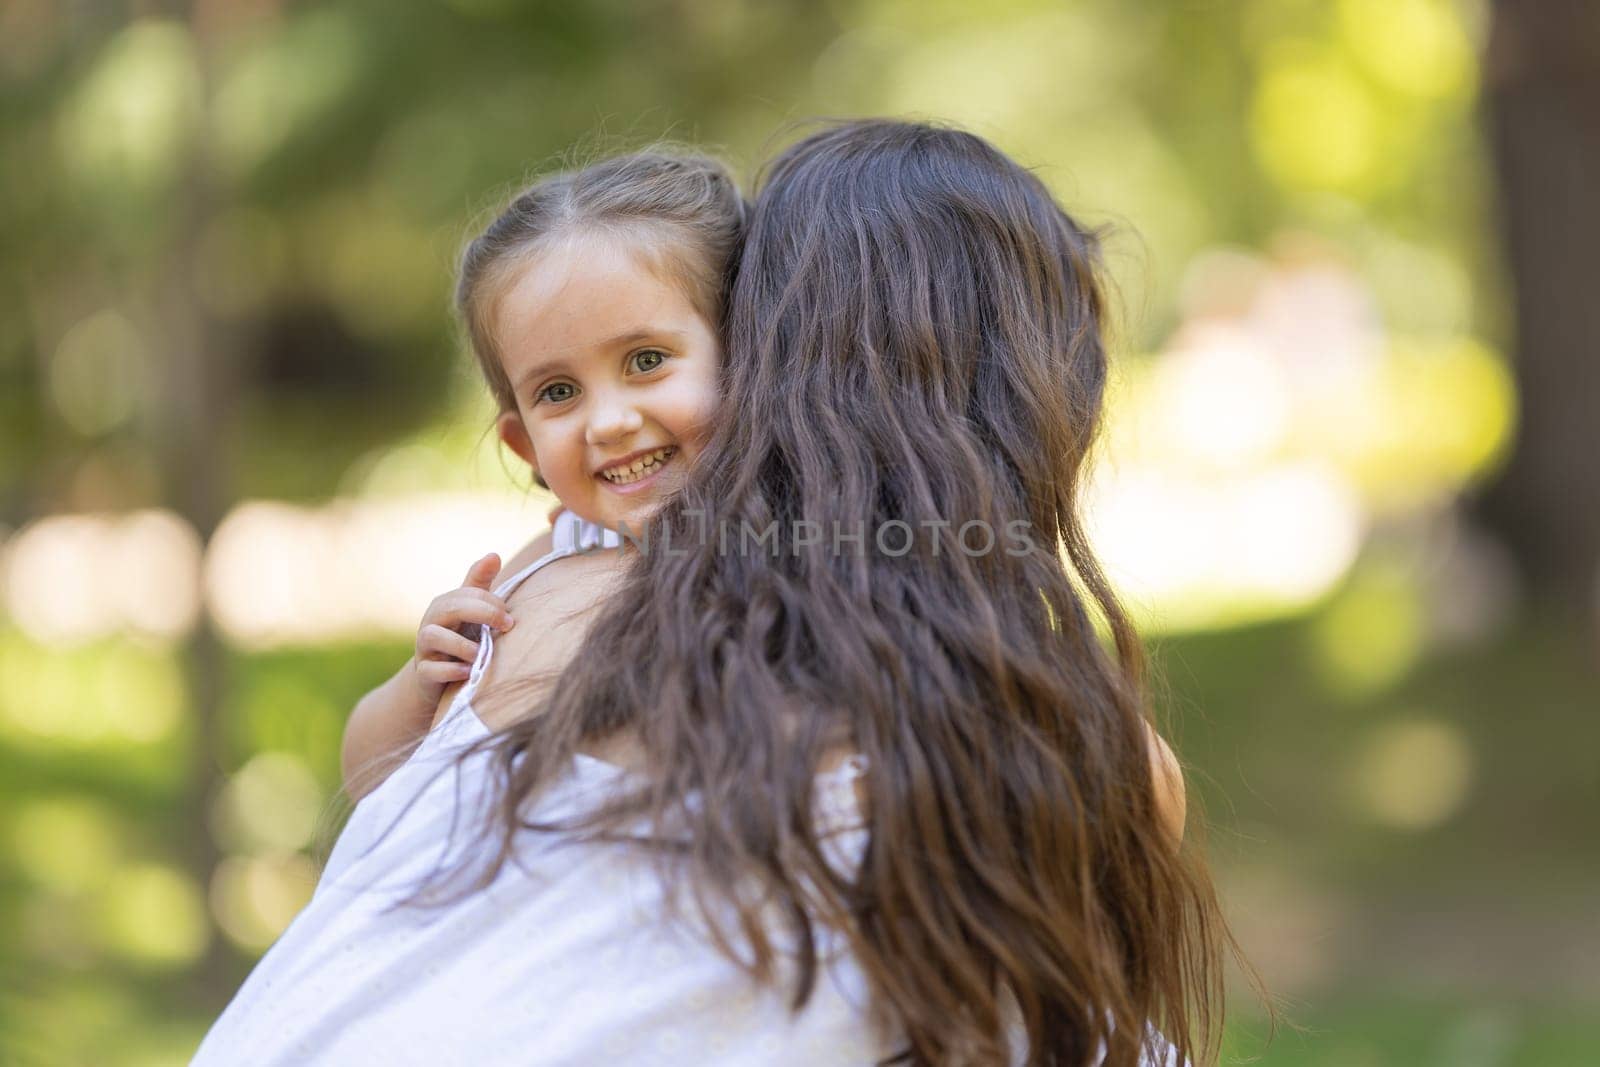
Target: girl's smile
pixel 635 472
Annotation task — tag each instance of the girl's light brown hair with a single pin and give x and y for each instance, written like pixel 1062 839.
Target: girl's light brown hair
pixel 680 209
pixel 914 334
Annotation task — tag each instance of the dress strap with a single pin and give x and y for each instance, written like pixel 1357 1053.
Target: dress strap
pixel 569 536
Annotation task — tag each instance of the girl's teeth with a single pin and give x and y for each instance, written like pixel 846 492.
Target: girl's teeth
pixel 639 467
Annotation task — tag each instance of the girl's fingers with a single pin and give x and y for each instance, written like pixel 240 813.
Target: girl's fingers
pixel 471 605
pixel 481 573
pixel 434 640
pixel 442 671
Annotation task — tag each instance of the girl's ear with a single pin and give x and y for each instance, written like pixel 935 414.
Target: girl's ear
pixel 515 435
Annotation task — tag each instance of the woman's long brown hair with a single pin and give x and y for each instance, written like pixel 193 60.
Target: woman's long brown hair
pixel 914 336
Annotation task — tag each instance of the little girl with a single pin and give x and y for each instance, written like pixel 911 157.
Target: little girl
pixel 593 304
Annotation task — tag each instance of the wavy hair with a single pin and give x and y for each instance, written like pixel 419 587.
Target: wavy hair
pixel 914 336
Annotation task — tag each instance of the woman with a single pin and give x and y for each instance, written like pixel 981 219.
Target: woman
pixel 914 338
pixel 876 566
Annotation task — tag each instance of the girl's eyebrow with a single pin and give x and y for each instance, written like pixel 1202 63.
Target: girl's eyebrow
pixel 538 369
pixel 640 333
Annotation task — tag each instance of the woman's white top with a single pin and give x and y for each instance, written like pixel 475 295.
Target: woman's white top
pixel 565 958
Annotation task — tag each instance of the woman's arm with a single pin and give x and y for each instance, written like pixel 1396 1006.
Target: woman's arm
pixel 1172 805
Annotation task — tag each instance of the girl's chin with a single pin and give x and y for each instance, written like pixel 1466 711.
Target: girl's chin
pixel 632 517
pixel 634 509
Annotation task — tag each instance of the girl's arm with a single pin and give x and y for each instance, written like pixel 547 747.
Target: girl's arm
pixel 389 722
pixel 383 730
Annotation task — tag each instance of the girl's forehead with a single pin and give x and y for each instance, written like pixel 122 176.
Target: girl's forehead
pixel 577 293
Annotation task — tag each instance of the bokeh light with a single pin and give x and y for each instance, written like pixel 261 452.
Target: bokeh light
pixel 273 802
pixel 98 376
pixel 134 114
pixel 152 914
pixel 255 897
pixel 66 844
pixel 1189 553
pixel 285 82
pixel 1418 47
pixel 1223 399
pixel 278 574
pixel 1415 773
pixel 116 695
pixel 73 578
pixel 1316 125
pixel 1371 633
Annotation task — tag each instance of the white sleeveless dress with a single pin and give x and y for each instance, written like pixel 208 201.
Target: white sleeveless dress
pixel 563 959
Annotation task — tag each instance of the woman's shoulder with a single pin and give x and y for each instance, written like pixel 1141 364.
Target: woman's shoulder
pixel 553 609
pixel 539 547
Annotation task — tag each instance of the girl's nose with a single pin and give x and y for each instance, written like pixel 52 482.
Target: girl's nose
pixel 611 422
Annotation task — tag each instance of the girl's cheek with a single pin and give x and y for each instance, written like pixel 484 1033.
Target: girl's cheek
pixel 695 402
pixel 700 427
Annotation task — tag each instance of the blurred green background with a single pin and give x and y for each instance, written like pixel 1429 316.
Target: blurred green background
pixel 1349 482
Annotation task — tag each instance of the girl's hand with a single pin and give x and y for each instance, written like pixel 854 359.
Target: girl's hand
pixel 444 653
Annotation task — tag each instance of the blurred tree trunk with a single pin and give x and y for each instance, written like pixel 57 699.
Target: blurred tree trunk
pixel 198 392
pixel 197 397
pixel 1542 92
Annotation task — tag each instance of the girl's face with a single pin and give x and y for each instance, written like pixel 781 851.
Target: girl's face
pixel 615 375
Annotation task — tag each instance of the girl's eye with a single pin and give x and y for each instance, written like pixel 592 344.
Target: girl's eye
pixel 648 360
pixel 556 392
